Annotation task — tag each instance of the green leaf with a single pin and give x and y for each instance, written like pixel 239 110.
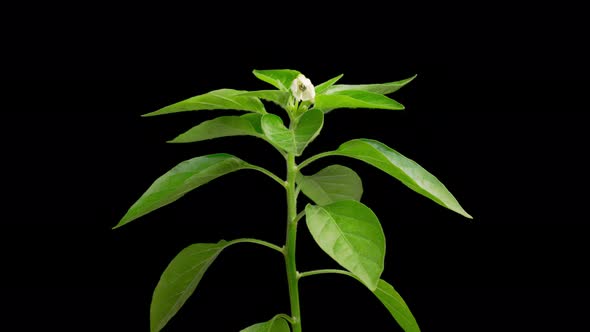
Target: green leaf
pixel 324 86
pixel 223 99
pixel 405 170
pixel 277 324
pixel 396 306
pixel 350 233
pixel 355 99
pixel 180 279
pixel 247 124
pixel 279 78
pixel 383 88
pixel 331 184
pixel 294 141
pixel 278 97
pixel 183 178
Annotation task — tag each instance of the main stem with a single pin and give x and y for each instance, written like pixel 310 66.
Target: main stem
pixel 290 244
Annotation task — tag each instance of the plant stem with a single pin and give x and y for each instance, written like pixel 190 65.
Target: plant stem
pixel 292 275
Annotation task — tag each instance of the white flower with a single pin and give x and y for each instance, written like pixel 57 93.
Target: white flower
pixel 302 89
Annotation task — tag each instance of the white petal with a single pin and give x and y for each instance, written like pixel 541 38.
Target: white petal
pixel 302 89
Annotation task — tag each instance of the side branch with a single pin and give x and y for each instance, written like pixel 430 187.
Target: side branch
pixel 316 157
pixel 260 242
pixel 325 271
pixel 269 173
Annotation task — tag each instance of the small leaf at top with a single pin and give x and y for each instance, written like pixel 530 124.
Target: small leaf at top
pixel 276 324
pixel 327 84
pixel 382 88
pixel 293 140
pixel 279 78
pixel 350 233
pixel 396 306
pixel 355 99
pixel 183 178
pixel 180 279
pixel 223 99
pixel 404 169
pixel 247 124
pixel 331 184
pixel 278 97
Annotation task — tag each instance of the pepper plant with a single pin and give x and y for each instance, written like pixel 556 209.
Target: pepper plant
pixel 342 226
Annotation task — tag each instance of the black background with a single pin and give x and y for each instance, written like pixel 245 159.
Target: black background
pixel 497 113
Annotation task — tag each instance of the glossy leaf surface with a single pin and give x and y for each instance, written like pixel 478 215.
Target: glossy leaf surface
pixel 294 141
pixel 278 97
pixel 181 179
pixel 351 234
pixel 382 88
pixel 321 88
pixel 222 99
pixel 277 324
pixel 396 306
pixel 247 124
pixel 180 279
pixel 331 184
pixel 355 99
pixel 279 78
pixel 404 169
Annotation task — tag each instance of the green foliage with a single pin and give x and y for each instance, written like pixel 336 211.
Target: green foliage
pixel 406 170
pixel 321 88
pixel 223 99
pixel 396 306
pixel 184 177
pixel 247 124
pixel 293 140
pixel 342 226
pixel 331 184
pixel 276 324
pixel 278 97
pixel 279 78
pixel 350 233
pixel 180 279
pixel 383 88
pixel 355 99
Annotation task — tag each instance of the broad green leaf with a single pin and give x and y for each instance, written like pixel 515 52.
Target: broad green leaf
pixel 277 324
pixel 278 97
pixel 405 170
pixel 331 184
pixel 279 78
pixel 396 306
pixel 247 124
pixel 383 88
pixel 350 233
pixel 180 279
pixel 294 141
pixel 183 178
pixel 223 99
pixel 327 84
pixel 355 99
